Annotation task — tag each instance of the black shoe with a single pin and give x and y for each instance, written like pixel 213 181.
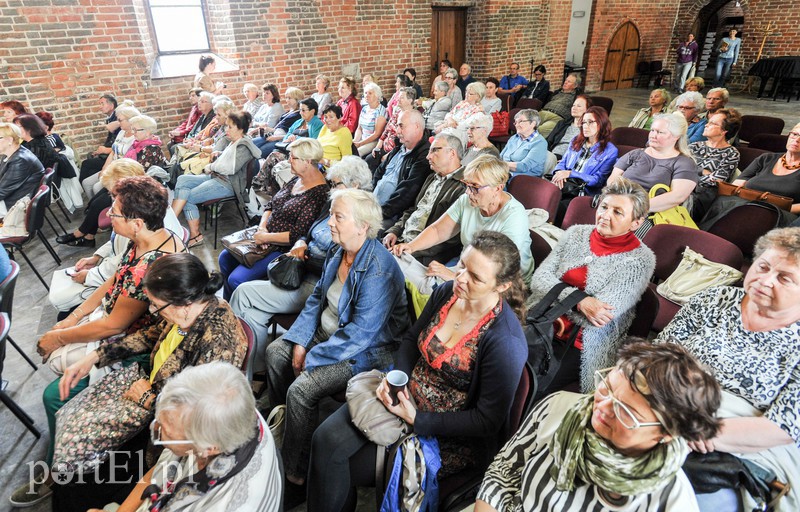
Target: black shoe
pixel 293 495
pixel 65 239
pixel 82 242
pixel 255 220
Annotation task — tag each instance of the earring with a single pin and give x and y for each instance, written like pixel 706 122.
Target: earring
pixel 662 441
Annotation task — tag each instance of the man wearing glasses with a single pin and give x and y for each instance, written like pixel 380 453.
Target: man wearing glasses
pixel 513 82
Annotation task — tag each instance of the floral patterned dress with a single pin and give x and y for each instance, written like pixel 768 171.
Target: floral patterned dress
pixel 441 379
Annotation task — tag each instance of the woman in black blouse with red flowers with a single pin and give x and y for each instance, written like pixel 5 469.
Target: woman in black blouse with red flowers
pixel 288 216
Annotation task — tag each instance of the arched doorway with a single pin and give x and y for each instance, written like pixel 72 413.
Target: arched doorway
pixel 621 58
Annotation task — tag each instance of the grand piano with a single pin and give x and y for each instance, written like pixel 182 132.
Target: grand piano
pixel 782 70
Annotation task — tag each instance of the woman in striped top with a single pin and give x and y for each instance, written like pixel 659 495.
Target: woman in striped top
pixel 619 449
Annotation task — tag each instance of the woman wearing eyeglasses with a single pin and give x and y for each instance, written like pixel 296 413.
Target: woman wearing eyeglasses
pixel 526 151
pixel 479 126
pixel 620 448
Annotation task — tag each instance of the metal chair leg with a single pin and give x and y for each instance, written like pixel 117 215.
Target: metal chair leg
pixel 55 218
pixel 34 268
pixel 19 413
pixel 49 247
pixel 23 354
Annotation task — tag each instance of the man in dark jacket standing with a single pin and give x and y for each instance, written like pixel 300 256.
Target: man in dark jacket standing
pixel 399 178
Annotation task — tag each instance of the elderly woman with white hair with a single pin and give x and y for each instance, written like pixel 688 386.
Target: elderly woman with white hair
pixel 192 158
pixel 146 148
pixel 454 92
pixel 271 136
pixel 351 323
pixel 691 104
pixel 257 301
pixel 469 107
pixel 526 151
pixel 666 160
pixel 478 127
pixel 253 103
pixel 371 121
pixel 439 107
pixel 219 452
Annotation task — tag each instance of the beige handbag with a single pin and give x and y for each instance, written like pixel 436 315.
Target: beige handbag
pixel 276 422
pixel 694 274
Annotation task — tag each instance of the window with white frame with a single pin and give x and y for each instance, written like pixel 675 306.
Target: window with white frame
pixel 179 25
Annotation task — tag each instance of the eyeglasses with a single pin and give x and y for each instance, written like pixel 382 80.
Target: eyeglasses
pixel 137 130
pixel 520 121
pixel 621 411
pixel 155 311
pixel 472 128
pixel 115 215
pixel 794 135
pixel 588 123
pixel 155 436
pixel 337 184
pixel 474 189
pixel 682 107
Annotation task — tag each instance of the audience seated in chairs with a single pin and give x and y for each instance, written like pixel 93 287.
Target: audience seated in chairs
pixel 258 301
pixel 464 357
pixel 659 98
pixel 322 96
pixel 34 137
pixel 588 160
pixel 609 264
pixel 400 82
pixel 289 215
pixel 271 136
pixel 565 130
pixel 485 206
pixel 744 335
pixel 351 108
pixel 388 140
pixel 122 143
pixel 399 178
pixel 577 452
pixel 716 99
pixel 454 92
pixel 439 106
pixel 351 323
pixel 178 134
pixel 557 108
pixel 526 151
pixel 440 190
pixel 269 113
pixel 690 104
pixel 694 84
pixel 444 66
pixel 666 161
pixel 12 109
pixel 490 102
pixel 20 171
pixel 253 103
pixel 773 172
pixel 538 88
pixel 716 159
pixel 194 328
pixel 94 162
pixel 372 120
pixel 465 109
pixel 225 177
pixel 146 148
pixel 478 127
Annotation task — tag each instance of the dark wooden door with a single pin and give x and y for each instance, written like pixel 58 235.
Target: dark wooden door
pixel 448 37
pixel 621 58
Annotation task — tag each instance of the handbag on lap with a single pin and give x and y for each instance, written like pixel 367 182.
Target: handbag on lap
pixel 244 248
pixel 726 189
pixel 677 215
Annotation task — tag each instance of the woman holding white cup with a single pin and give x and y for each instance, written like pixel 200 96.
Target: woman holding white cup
pixel 464 358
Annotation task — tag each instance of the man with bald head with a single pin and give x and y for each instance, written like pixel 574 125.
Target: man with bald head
pixel 399 178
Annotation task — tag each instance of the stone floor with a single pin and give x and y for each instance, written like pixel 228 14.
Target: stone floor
pixel 33 314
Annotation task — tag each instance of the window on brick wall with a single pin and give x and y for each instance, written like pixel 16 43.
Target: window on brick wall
pixel 179 26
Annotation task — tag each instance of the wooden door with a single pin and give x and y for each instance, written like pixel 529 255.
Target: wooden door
pixel 448 37
pixel 621 58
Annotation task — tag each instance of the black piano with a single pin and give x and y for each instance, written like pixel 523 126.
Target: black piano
pixel 783 71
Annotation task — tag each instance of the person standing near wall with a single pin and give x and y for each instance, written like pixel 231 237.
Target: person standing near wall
pixel 727 57
pixel 688 52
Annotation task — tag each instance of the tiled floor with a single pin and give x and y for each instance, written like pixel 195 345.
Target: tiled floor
pixel 33 314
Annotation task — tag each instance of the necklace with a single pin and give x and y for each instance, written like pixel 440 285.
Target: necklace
pixel 348 264
pixel 793 167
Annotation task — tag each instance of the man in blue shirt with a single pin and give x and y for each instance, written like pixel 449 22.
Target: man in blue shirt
pixel 513 82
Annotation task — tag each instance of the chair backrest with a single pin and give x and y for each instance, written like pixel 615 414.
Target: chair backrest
pixel 603 101
pixel 646 312
pixel 755 125
pixel 35 217
pixel 512 129
pixel 747 155
pixel 49 176
pixel 743 225
pixel 5 326
pixel 540 249
pixel 668 242
pixel 643 67
pixel 7 289
pixel 247 365
pixel 769 142
pixel 579 211
pixel 535 192
pixel 526 390
pixel 103 220
pixel 628 136
pixel 505 101
pixel 534 103
pixel 656 66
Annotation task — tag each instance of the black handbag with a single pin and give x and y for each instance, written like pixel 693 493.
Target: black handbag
pixel 539 333
pixel 573 187
pixel 286 272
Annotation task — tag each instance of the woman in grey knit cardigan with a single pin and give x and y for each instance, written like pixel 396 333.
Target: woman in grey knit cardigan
pixel 613 267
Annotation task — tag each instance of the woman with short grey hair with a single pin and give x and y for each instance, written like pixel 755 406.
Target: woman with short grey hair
pixel 440 106
pixel 253 102
pixel 526 152
pixel 371 121
pixel 351 323
pixel 206 419
pixel 453 92
pixel 691 104
pixel 479 126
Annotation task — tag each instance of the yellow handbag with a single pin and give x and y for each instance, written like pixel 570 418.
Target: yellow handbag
pixel 677 215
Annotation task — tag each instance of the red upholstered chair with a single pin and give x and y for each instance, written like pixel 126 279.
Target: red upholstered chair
pixel 579 211
pixel 755 125
pixel 668 242
pixel 535 192
pixel 603 101
pixel 103 220
pixel 247 366
pixel 746 156
pixel 34 221
pixel 506 99
pixel 769 142
pixel 623 148
pixel 743 225
pixel 539 248
pixel 627 136
pixel 534 103
pixel 646 313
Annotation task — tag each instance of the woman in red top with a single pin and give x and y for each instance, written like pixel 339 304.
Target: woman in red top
pixel 351 108
pixel 612 267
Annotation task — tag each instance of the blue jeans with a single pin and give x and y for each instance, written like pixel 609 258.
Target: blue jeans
pixel 266 146
pixel 723 70
pixel 236 273
pixel 199 189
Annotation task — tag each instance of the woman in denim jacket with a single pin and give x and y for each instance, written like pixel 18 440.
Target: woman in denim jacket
pixel 351 323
